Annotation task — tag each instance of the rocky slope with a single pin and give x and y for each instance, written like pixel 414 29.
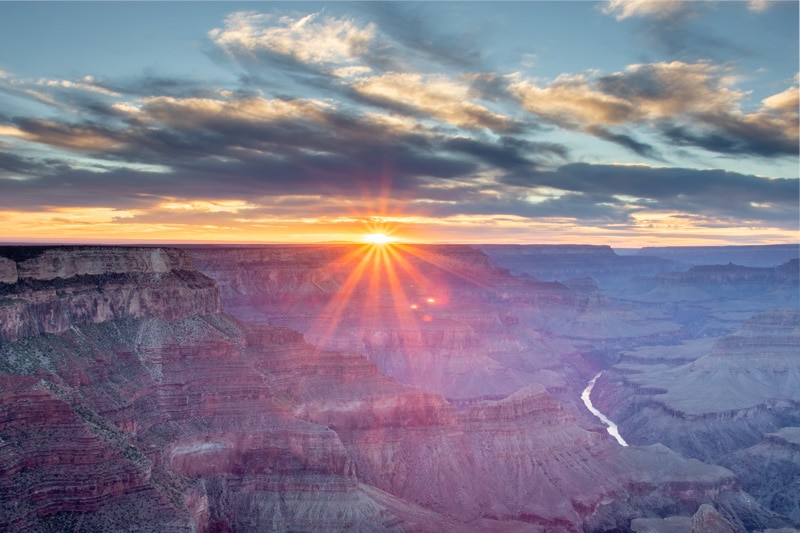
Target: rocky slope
pixel 147 414
pixel 770 471
pixel 134 403
pixel 717 404
pixel 57 289
pixel 496 465
pixel 716 300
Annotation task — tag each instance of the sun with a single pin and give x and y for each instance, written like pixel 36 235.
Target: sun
pixel 378 238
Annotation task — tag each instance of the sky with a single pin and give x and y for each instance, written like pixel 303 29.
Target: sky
pixel 627 123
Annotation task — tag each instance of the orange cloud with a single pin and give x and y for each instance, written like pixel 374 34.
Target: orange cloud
pixel 698 95
pixel 439 96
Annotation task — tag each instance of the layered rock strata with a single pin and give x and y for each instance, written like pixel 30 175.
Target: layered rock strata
pixel 120 410
pixel 716 406
pixel 150 415
pixel 58 289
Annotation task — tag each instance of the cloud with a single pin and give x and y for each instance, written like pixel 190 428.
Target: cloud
pixel 237 147
pixel 312 39
pixel 691 104
pixel 354 125
pixel 664 89
pixel 758 6
pixel 571 102
pixel 411 32
pixel 434 95
pixel 13 165
pixel 710 192
pixel 84 138
pixel 626 141
pixel 507 153
pixel 678 28
pixel 231 147
pixel 622 9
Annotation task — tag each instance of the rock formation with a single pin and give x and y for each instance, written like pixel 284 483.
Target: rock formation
pixel 440 317
pixel 148 413
pixel 129 399
pixel 770 471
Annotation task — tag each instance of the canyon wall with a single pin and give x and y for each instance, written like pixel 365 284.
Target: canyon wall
pixel 440 317
pixel 142 410
pixel 129 398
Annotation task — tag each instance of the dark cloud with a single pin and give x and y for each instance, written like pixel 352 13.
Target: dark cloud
pixel 728 135
pixel 507 153
pixel 626 141
pixel 676 36
pixel 673 28
pixel 14 165
pixel 150 84
pixel 687 189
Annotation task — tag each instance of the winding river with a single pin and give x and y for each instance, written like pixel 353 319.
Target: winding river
pixel 611 427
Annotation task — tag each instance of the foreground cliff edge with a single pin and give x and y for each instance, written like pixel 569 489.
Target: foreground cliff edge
pixel 130 400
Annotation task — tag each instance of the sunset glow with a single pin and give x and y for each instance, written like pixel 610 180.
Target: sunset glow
pixel 378 238
pixel 504 133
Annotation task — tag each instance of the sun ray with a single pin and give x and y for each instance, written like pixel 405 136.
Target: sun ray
pixel 438 261
pixel 407 322
pixel 323 328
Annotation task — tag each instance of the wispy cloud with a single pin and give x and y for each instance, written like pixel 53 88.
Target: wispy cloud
pixel 313 38
pixel 622 9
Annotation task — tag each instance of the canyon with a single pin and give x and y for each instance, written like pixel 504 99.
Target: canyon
pixel 397 388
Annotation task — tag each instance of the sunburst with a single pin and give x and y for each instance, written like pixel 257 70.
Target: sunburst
pixel 378 238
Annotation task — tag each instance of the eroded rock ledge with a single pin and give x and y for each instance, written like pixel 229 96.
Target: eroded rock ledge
pixel 47 290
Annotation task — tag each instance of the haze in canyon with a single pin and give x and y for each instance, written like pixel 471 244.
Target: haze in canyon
pixel 387 387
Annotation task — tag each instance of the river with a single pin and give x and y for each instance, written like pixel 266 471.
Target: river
pixel 611 427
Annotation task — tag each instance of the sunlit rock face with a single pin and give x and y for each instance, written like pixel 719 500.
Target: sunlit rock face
pixel 149 413
pixel 59 288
